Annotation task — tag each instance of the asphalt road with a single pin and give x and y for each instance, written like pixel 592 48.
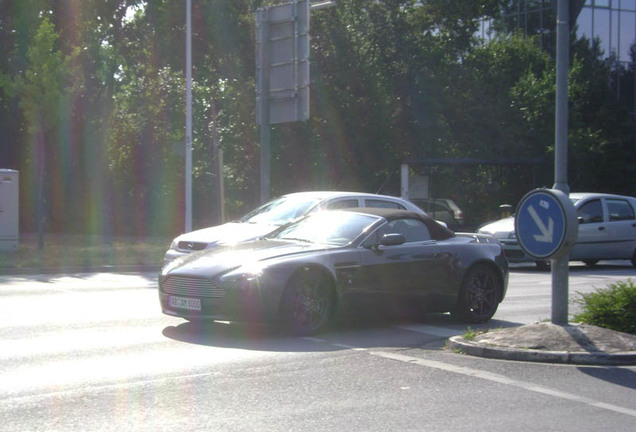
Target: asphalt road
pixel 92 352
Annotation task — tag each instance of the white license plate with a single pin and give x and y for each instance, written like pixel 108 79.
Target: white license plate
pixel 185 303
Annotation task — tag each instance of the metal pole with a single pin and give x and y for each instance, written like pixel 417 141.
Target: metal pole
pixel 188 137
pixel 220 186
pixel 404 181
pixel 560 266
pixel 265 132
pixel 218 163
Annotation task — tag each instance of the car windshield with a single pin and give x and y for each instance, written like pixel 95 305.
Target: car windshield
pixel 333 228
pixel 281 210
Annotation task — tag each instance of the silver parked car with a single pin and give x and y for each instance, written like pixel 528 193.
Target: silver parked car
pixel 276 213
pixel 442 209
pixel 607 230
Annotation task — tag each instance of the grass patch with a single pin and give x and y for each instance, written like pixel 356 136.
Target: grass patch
pixel 62 251
pixel 470 334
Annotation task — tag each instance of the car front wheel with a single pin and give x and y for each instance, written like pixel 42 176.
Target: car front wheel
pixel 479 295
pixel 308 303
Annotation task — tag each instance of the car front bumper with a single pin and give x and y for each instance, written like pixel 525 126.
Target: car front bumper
pixel 514 252
pixel 214 302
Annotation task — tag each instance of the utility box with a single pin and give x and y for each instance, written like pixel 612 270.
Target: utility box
pixel 9 206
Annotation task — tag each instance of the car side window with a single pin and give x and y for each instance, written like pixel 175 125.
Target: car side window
pixel 341 204
pixel 413 230
pixel 619 210
pixel 590 212
pixel 439 207
pixel 376 203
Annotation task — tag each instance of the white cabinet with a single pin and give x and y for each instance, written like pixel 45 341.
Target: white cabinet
pixel 9 206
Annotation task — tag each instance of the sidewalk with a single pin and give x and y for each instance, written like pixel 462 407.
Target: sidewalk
pixel 550 343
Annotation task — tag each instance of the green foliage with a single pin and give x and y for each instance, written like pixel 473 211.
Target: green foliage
pixel 40 85
pixel 72 251
pixel 613 308
pixel 470 334
pixel 390 80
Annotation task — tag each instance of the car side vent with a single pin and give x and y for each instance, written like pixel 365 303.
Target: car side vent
pixel 193 246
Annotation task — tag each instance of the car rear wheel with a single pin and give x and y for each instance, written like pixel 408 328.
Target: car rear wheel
pixel 308 303
pixel 478 296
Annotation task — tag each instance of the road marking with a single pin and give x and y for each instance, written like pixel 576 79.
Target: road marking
pixel 351 347
pixel 503 380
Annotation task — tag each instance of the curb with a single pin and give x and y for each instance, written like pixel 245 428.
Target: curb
pixel 464 346
pixel 80 269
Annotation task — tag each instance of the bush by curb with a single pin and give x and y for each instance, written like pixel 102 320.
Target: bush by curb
pixel 613 307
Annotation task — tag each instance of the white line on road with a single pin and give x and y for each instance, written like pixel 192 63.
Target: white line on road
pixel 503 380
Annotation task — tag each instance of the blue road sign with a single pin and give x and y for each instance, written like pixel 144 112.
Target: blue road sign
pixel 546 224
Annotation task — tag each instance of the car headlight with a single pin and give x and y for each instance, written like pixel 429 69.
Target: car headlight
pixel 243 273
pixel 246 277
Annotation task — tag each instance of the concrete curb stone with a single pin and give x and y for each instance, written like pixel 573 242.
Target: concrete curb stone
pixel 464 346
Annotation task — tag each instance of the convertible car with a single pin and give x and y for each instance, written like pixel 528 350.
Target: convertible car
pixel 302 273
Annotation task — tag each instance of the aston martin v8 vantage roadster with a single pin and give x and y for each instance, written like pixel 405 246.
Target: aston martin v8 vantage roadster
pixel 303 272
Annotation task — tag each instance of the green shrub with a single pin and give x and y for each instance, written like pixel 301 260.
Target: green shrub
pixel 613 308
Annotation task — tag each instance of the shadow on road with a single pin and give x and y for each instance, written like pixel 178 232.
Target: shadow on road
pixel 366 329
pixel 614 375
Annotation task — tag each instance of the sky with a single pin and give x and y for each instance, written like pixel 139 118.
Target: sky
pixel 615 27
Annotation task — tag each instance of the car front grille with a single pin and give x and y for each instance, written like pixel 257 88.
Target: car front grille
pixel 191 287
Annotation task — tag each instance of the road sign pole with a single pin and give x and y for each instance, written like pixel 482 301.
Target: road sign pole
pixel 560 265
pixel 560 274
pixel 561 118
pixel 547 227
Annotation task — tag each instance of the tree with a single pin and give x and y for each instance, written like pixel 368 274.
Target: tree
pixel 391 80
pixel 41 90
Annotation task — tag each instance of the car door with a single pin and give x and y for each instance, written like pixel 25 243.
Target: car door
pixel 621 228
pixel 408 269
pixel 591 242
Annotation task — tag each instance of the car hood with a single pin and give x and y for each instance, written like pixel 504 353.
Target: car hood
pixel 229 233
pixel 217 261
pixel 501 228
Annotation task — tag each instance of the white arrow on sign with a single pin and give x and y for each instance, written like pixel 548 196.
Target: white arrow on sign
pixel 546 233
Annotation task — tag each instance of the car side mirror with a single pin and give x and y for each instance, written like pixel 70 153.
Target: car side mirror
pixel 393 239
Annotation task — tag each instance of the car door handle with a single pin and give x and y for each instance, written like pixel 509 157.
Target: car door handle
pixel 601 228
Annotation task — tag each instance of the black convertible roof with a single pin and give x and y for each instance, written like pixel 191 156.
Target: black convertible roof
pixel 437 230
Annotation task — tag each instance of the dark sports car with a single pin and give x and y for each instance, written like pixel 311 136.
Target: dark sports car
pixel 303 272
